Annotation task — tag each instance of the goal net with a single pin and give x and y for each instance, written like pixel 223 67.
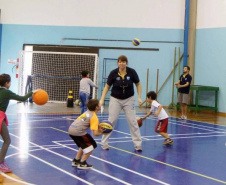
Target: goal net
pixel 56 72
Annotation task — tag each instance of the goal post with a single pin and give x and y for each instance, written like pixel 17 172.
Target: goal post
pixel 56 72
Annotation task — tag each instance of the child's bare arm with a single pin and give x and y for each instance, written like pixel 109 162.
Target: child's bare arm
pixel 147 115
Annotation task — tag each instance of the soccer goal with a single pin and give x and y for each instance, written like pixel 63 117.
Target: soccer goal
pixel 56 72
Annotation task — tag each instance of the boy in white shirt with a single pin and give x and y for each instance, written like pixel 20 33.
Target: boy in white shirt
pixel 162 124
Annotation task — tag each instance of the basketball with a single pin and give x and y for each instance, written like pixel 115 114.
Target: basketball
pixel 139 121
pixel 136 42
pixel 41 97
pixel 107 126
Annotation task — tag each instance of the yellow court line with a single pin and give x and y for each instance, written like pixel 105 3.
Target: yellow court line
pixel 179 168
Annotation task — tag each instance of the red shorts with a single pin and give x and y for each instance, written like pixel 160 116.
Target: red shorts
pixel 162 125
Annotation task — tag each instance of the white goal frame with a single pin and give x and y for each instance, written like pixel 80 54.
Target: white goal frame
pixel 23 73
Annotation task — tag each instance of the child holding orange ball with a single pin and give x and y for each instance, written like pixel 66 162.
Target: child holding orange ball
pixel 5 96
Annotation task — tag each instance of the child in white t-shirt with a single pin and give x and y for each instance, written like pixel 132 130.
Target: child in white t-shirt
pixel 162 124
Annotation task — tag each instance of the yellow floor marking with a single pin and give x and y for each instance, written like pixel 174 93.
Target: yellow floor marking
pixel 150 159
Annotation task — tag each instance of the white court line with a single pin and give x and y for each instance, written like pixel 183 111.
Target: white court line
pixel 196 127
pixel 205 126
pixel 70 160
pixel 180 124
pixel 180 121
pixel 201 126
pixel 30 121
pixel 44 120
pixel 198 133
pixel 38 149
pixel 12 124
pixel 72 175
pixel 140 174
pixel 190 137
pixel 163 139
pixel 171 121
pixel 114 138
pixel 199 121
pixel 144 137
pixel 100 117
pixel 184 122
pixel 125 133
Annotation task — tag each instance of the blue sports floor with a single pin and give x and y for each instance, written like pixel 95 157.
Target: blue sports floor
pixel 41 153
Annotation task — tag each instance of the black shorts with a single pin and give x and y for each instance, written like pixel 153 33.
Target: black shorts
pixel 86 142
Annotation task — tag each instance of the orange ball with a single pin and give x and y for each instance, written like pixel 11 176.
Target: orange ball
pixel 41 97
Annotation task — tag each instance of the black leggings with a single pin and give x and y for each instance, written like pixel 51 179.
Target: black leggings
pixel 6 139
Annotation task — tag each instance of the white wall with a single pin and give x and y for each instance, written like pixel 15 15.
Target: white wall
pixel 211 14
pixel 95 13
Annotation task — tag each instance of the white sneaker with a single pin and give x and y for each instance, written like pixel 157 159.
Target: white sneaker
pixel 138 148
pixel 105 147
pixel 183 117
pixel 84 165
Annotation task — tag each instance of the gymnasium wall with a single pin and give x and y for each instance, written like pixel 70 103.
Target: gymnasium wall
pixel 47 22
pixel 0 33
pixel 210 65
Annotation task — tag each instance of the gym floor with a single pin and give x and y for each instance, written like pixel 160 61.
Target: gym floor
pixel 41 150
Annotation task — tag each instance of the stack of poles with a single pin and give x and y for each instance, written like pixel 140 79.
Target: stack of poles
pixel 181 57
pixel 172 72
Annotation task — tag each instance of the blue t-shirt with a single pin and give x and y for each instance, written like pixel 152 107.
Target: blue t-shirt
pixel 183 81
pixel 122 88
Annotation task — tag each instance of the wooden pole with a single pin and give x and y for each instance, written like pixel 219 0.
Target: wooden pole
pixel 169 74
pixel 147 86
pixel 174 66
pixel 157 81
pixel 172 105
pixel 179 63
pixel 143 103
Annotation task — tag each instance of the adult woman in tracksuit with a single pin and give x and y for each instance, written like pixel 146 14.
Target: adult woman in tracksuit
pixel 122 98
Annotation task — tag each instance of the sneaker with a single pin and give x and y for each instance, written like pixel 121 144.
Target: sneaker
pixel 168 141
pixel 5 168
pixel 138 148
pixel 185 117
pixel 182 117
pixel 84 165
pixel 75 162
pixel 105 147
